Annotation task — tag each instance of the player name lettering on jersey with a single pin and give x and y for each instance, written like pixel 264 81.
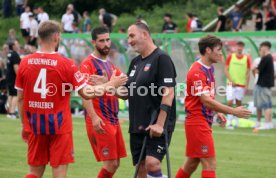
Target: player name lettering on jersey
pixel 42 61
pixel 42 105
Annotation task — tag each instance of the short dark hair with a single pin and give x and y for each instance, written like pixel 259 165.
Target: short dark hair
pixel 221 9
pixel 168 15
pixel 142 26
pixel 98 31
pixel 48 28
pixel 208 41
pixel 240 43
pixel 266 43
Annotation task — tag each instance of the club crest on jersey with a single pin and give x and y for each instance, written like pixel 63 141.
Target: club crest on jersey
pixel 204 149
pixel 147 67
pixel 198 85
pixel 105 152
pixel 78 76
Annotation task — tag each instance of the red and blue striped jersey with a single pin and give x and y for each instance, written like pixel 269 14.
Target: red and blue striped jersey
pixel 106 106
pixel 200 80
pixel 46 81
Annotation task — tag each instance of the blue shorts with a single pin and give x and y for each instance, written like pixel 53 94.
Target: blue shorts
pixel 262 97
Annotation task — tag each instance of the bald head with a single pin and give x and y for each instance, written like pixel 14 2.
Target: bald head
pixel 142 26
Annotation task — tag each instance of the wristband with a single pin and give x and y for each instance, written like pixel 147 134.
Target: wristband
pixel 165 108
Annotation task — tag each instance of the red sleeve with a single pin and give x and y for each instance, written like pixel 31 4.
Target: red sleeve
pixel 77 79
pixel 228 59
pixel 249 62
pixel 199 84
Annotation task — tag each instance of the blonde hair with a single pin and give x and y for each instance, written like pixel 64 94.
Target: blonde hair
pixel 47 29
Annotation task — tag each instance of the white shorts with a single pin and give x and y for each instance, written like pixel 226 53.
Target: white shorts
pixel 234 93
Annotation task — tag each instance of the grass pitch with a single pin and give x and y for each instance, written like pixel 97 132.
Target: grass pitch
pixel 240 153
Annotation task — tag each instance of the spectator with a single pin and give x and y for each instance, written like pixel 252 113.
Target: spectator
pixel 75 13
pixel 107 19
pixel 35 12
pixel 264 74
pixel 273 6
pixel 12 36
pixel 196 24
pixel 75 28
pixel 67 21
pixel 269 19
pixel 258 19
pixel 237 82
pixel 188 26
pixel 7 8
pixel 221 20
pixel 42 16
pixel 86 23
pixel 13 61
pixel 169 26
pixel 20 6
pixel 236 18
pixel 33 30
pixel 25 24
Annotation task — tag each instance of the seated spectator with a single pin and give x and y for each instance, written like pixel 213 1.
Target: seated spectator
pixel 12 36
pixel 258 19
pixel 221 20
pixel 169 26
pixel 86 23
pixel 107 19
pixel 236 18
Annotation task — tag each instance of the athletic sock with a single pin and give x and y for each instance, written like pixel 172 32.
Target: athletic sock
pixel 181 174
pixel 30 176
pixel 208 174
pixel 105 174
pixel 155 174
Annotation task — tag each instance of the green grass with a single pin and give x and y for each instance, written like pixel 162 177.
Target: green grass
pixel 240 153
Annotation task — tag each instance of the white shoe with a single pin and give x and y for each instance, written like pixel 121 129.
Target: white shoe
pixel 230 127
pixel 257 125
pixel 11 116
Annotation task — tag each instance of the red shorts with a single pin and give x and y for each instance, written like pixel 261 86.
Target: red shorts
pixel 200 143
pixel 109 145
pixel 56 149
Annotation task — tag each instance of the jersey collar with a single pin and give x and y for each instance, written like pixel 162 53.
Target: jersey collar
pixel 201 63
pixel 39 52
pixel 98 58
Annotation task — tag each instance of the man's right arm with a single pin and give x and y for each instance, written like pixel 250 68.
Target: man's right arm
pixel 218 107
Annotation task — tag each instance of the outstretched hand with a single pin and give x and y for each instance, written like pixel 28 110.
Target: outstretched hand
pixel 117 81
pixel 241 112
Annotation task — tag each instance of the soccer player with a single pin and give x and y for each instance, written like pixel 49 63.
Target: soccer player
pixel 237 70
pixel 102 122
pixel 152 70
pixel 199 106
pixel 44 82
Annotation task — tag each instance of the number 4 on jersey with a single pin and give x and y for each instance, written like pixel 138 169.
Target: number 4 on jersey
pixel 41 79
